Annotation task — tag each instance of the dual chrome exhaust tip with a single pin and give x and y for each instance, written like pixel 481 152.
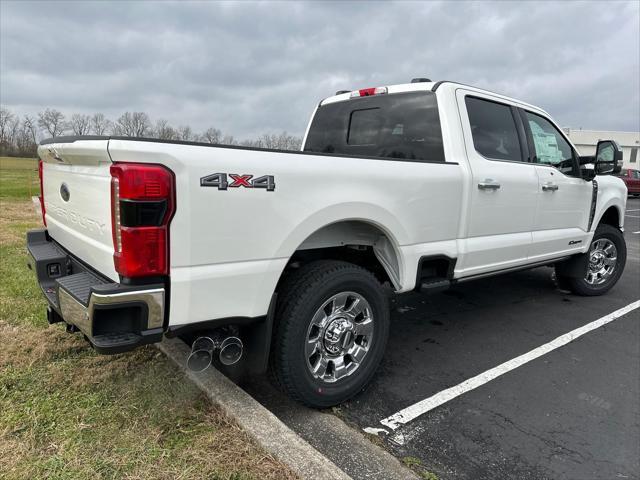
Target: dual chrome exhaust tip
pixel 228 349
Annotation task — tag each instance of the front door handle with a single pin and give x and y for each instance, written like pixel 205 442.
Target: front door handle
pixel 488 184
pixel 549 187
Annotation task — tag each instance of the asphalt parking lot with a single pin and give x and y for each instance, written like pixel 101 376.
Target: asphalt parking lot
pixel 571 413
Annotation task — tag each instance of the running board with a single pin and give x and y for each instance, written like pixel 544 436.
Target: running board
pixel 519 268
pixel 434 285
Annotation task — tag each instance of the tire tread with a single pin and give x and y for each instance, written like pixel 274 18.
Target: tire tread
pixel 290 299
pixel 578 286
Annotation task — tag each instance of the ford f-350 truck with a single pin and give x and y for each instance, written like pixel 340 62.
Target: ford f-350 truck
pixel 284 255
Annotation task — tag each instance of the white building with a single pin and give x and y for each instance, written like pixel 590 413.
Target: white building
pixel 586 141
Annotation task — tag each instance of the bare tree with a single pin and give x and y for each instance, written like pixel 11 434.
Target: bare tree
pixel 100 125
pixel 80 124
pixel 289 142
pixel 270 141
pixel 185 133
pixel 24 143
pixel 6 117
pixel 212 135
pixel 164 131
pixel 252 143
pixel 30 128
pixel 136 124
pixel 283 141
pixel 52 121
pixel 13 130
pixel 228 140
pixel 21 136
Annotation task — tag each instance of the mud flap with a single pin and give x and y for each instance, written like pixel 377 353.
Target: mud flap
pixel 574 267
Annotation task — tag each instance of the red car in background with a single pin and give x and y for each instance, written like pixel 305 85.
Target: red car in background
pixel 632 179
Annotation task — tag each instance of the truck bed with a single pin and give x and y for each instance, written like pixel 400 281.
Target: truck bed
pixel 229 246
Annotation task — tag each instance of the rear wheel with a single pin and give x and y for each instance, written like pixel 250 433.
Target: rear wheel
pixel 606 259
pixel 331 332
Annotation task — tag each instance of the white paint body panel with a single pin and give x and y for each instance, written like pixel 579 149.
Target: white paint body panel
pixel 228 248
pixel 612 193
pixel 561 216
pixel 499 224
pixel 83 223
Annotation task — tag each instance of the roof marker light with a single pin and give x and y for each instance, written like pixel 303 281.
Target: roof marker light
pixel 367 92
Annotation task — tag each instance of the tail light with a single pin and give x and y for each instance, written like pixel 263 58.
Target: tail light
pixel 143 203
pixel 367 92
pixel 41 197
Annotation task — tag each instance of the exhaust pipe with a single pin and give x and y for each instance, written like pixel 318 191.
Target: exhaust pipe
pixel 228 348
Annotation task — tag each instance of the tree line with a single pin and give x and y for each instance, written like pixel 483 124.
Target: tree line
pixel 19 135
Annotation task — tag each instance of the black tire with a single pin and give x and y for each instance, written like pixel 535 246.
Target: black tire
pixel 579 284
pixel 300 297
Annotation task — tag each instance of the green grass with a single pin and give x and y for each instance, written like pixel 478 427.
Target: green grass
pixel 18 178
pixel 415 464
pixel 68 413
pixel 18 163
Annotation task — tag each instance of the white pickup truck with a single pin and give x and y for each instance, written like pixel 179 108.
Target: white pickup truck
pixel 283 255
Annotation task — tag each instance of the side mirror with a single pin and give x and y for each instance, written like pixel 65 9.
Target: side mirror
pixel 608 158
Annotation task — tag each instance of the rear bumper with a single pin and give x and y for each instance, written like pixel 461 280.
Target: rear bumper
pixel 113 317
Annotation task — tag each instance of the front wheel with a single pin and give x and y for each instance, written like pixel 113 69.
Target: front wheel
pixel 605 263
pixel 331 332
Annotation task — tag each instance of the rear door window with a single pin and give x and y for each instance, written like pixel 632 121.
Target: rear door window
pixel 493 129
pixel 400 126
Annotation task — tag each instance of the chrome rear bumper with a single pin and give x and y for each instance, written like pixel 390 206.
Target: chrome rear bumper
pixel 114 317
pixel 82 316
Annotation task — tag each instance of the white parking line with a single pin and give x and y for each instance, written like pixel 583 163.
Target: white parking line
pixel 633 209
pixel 412 412
pixel 632 216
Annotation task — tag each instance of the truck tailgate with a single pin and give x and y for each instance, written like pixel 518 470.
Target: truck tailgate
pixel 77 198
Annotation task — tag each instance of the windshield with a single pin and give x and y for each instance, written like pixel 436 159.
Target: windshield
pixel 404 126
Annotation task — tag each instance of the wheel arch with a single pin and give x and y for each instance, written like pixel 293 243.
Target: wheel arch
pixel 345 229
pixel 611 195
pixel 611 214
pixel 356 241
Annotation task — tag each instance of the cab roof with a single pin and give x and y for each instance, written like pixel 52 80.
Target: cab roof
pixel 422 85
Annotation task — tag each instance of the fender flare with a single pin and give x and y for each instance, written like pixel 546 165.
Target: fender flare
pixel 373 215
pixel 612 202
pixel 609 192
pixel 352 211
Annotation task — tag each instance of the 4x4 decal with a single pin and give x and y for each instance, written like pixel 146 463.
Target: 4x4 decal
pixel 221 181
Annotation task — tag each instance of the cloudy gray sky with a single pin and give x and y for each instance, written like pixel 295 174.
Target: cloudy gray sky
pixel 248 68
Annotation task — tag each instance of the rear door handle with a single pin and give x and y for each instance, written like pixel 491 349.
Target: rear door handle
pixel 488 184
pixel 549 187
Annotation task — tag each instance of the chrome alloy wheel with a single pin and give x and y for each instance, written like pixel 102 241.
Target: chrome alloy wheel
pixel 603 258
pixel 339 337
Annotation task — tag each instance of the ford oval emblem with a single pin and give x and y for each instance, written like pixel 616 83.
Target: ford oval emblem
pixel 64 192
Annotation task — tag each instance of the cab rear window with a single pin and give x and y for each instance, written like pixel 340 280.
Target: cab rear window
pixel 400 126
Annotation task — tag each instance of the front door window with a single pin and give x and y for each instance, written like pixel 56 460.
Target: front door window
pixel 551 147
